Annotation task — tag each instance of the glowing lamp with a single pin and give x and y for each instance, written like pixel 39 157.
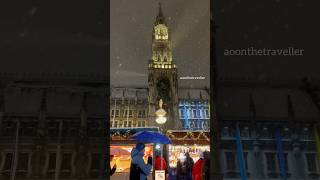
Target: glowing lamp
pixel 158 146
pixel 161 120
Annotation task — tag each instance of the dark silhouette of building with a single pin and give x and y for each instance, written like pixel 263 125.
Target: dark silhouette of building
pixel 52 126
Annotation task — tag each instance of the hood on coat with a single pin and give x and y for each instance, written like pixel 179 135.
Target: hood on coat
pixel 136 153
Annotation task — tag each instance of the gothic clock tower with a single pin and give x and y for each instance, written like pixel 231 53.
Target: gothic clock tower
pixel 162 79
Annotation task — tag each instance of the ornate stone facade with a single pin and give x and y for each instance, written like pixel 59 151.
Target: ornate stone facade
pixel 52 127
pixel 261 109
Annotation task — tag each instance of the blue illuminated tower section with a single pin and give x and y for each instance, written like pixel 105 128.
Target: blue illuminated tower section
pixel 194 114
pixel 185 112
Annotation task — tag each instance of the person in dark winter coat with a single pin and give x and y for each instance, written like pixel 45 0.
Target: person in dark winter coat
pixel 180 175
pixel 139 170
pixel 184 167
pixel 189 165
pixel 206 166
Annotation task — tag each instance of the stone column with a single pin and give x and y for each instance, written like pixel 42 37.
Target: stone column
pixel 223 161
pixel 46 165
pixel 2 159
pixel 80 158
pixel 80 163
pixel 1 120
pixel 295 159
pixel 255 161
pixel 38 160
pixel 2 105
pixel 29 165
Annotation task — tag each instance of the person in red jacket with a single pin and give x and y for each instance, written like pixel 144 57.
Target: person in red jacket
pixel 197 168
pixel 160 163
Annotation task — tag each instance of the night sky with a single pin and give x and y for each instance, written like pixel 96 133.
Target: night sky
pixel 268 24
pixel 54 37
pixel 71 36
pixel 131 25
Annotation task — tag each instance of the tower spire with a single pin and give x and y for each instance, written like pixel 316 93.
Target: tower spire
pixel 160 18
pixel 160 10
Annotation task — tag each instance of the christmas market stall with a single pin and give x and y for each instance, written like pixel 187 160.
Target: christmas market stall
pixel 121 145
pixel 193 142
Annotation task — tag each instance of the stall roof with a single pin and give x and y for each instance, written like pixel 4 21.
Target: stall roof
pixel 189 137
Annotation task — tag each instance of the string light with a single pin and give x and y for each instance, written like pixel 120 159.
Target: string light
pixel 188 136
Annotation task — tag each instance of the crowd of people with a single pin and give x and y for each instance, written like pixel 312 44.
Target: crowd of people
pixel 186 169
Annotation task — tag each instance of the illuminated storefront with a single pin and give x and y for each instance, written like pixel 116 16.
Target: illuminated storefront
pixel 121 146
pixel 123 158
pixel 194 151
pixel 193 142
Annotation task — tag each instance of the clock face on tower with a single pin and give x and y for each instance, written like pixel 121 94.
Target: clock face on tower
pixel 161 32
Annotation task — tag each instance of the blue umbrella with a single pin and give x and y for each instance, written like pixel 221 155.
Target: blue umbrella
pixel 151 137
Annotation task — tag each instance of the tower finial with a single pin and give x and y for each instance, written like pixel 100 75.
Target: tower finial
pixel 160 10
pixel 160 18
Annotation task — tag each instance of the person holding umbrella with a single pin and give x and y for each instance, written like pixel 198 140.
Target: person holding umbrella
pixel 148 137
pixel 138 169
